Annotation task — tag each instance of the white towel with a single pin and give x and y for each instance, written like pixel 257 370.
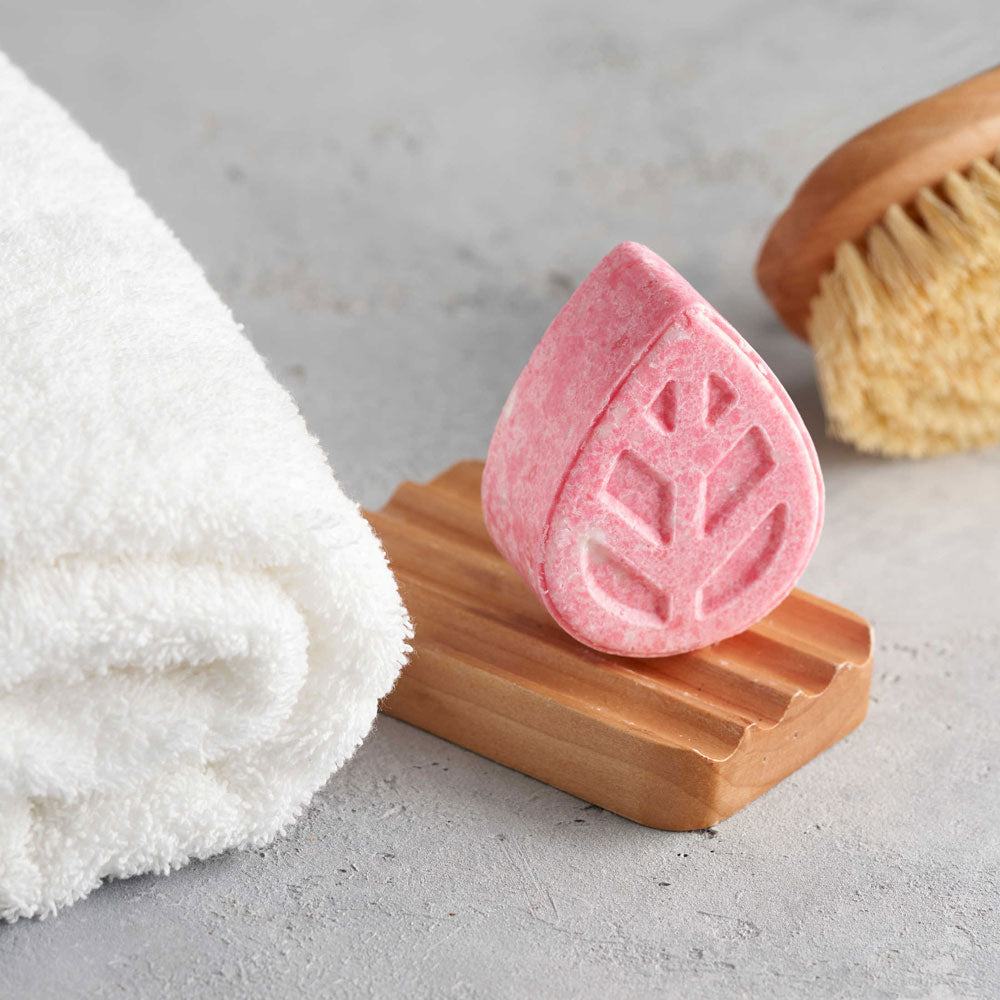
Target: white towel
pixel 195 622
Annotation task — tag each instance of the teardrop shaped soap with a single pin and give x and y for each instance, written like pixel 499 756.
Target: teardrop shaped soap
pixel 649 477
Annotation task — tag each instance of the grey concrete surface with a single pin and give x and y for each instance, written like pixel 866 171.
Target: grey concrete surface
pixel 396 198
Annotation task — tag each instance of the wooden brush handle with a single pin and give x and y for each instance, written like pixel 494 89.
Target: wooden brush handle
pixel 852 188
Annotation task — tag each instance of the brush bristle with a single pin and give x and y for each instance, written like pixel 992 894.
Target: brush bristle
pixel 906 328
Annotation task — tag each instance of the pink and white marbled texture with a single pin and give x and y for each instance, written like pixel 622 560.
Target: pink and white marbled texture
pixel 649 477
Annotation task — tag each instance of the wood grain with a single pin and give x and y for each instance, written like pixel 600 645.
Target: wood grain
pixel 852 188
pixel 677 743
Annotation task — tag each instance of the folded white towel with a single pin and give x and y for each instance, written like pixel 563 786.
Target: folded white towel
pixel 195 622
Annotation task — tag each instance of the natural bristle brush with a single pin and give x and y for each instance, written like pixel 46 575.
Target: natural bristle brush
pixel 888 261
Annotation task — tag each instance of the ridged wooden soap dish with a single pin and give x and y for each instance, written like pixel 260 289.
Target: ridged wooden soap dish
pixel 677 743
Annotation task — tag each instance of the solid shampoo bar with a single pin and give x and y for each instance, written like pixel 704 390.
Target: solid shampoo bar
pixel 649 477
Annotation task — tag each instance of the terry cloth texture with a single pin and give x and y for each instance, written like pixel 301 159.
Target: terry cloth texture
pixel 195 622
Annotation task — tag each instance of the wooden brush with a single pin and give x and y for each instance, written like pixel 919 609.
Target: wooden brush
pixel 888 261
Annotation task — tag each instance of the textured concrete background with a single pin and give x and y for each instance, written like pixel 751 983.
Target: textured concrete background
pixel 396 198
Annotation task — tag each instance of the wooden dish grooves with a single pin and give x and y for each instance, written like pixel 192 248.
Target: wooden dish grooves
pixel 677 743
pixel 852 188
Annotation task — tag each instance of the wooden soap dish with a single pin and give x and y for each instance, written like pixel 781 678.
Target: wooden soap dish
pixel 677 743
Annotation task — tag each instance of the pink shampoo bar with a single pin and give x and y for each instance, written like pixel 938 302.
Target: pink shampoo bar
pixel 649 477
